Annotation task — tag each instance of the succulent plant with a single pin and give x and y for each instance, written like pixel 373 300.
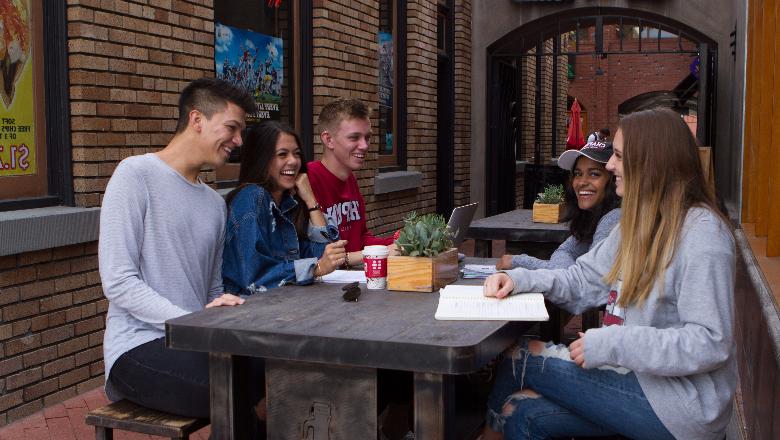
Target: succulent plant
pixel 552 195
pixel 424 235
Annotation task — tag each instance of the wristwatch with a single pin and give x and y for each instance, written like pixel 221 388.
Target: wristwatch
pixel 316 207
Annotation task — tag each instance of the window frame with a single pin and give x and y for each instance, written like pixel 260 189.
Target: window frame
pixel 56 113
pixel 397 160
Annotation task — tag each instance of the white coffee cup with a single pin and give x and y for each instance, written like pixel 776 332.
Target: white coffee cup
pixel 375 264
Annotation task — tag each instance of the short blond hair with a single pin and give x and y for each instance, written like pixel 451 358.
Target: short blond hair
pixel 341 109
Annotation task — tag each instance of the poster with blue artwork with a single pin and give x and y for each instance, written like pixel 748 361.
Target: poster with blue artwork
pixel 252 61
pixel 386 69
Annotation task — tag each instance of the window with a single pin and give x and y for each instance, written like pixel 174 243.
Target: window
pixel 35 168
pixel 254 49
pixel 392 82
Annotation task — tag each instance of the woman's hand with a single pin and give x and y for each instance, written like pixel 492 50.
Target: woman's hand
pixel 333 257
pixel 577 350
pixel 504 263
pixel 498 285
pixel 304 191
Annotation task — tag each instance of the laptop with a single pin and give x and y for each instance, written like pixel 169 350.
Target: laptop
pixel 460 220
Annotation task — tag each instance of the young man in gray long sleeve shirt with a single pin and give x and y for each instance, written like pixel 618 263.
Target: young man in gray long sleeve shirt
pixel 160 252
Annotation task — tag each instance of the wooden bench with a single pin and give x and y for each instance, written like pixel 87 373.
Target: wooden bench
pixel 128 416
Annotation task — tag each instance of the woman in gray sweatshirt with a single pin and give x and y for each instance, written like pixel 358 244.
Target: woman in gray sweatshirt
pixel 663 365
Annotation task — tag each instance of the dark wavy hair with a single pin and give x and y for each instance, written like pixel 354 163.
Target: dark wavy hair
pixel 583 222
pixel 258 151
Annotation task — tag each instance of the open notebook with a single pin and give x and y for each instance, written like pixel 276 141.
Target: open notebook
pixel 467 303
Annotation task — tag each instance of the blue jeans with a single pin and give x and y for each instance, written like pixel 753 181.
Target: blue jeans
pixel 574 401
pixel 174 381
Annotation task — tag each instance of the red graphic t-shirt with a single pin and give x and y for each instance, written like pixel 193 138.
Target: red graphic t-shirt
pixel 614 315
pixel 343 206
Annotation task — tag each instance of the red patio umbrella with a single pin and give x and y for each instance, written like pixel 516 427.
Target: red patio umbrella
pixel 574 139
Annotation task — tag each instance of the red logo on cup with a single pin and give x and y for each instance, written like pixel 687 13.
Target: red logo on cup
pixel 375 267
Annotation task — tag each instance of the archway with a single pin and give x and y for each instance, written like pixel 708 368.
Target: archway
pixel 586 53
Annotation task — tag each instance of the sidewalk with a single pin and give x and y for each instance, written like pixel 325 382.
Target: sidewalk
pixel 65 421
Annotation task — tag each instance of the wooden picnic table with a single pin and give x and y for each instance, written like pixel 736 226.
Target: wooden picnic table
pixel 520 232
pixel 322 356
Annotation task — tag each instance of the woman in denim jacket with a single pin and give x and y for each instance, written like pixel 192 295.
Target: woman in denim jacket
pixel 275 233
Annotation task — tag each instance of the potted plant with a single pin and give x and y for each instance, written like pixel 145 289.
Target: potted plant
pixel 427 261
pixel 548 207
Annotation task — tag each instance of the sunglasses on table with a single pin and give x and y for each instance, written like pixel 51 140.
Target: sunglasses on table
pixel 352 292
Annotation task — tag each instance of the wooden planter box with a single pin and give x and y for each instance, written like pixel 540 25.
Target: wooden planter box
pixel 422 274
pixel 544 213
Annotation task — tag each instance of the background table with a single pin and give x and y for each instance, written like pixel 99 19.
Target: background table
pixel 520 232
pixel 322 354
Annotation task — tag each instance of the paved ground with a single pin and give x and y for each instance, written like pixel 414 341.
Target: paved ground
pixel 65 421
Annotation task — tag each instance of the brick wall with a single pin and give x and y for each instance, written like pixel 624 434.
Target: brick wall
pixel 346 64
pixel 128 62
pixel 52 314
pixel 624 76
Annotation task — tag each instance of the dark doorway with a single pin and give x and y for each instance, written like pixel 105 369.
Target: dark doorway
pixel 532 69
pixel 445 74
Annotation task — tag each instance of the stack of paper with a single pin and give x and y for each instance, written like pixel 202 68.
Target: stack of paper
pixel 478 270
pixel 467 303
pixel 345 276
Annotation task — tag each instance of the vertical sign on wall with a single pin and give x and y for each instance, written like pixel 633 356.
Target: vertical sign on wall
pixel 252 61
pixel 17 116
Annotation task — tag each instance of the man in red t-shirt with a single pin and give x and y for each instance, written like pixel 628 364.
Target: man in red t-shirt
pixel 345 131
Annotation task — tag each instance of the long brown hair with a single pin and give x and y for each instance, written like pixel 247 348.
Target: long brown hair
pixel 257 153
pixel 662 180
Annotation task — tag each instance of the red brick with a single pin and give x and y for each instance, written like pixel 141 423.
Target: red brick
pixel 56 302
pixel 60 396
pixel 36 290
pixel 68 251
pixel 53 269
pixel 69 283
pixel 88 356
pixel 34 257
pixel 75 376
pixel 39 356
pixel 20 310
pixel 10 400
pixel 57 334
pixel 25 410
pixel 40 389
pixel 73 345
pixel 58 366
pixel 21 379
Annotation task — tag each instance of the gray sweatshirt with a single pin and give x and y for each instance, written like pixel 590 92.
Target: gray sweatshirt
pixel 571 249
pixel 680 342
pixel 160 251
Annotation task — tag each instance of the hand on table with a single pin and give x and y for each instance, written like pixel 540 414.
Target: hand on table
pixel 227 299
pixel 504 263
pixel 498 285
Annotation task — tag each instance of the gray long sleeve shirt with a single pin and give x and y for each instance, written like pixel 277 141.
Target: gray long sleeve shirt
pixel 160 251
pixel 680 343
pixel 571 249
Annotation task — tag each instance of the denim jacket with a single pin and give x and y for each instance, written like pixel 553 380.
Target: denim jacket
pixel 262 250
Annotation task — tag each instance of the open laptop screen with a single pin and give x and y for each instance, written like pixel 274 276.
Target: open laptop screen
pixel 460 220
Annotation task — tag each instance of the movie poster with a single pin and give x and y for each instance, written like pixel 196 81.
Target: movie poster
pixel 252 61
pixel 17 113
pixel 386 69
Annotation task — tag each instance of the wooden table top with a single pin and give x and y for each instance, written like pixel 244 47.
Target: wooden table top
pixel 517 225
pixel 384 329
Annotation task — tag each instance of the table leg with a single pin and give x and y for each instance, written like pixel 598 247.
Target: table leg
pixel 319 402
pixel 483 248
pixel 434 406
pixel 230 409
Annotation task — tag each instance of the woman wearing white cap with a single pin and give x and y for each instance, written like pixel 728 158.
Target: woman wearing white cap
pixel 592 208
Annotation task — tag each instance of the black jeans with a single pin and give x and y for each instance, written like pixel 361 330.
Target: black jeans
pixel 173 381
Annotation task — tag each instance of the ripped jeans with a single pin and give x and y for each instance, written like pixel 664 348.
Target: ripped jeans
pixel 574 401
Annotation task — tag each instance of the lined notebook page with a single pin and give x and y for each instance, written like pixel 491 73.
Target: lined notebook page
pixel 467 303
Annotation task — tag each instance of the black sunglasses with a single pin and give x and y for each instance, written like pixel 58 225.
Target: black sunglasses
pixel 352 292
